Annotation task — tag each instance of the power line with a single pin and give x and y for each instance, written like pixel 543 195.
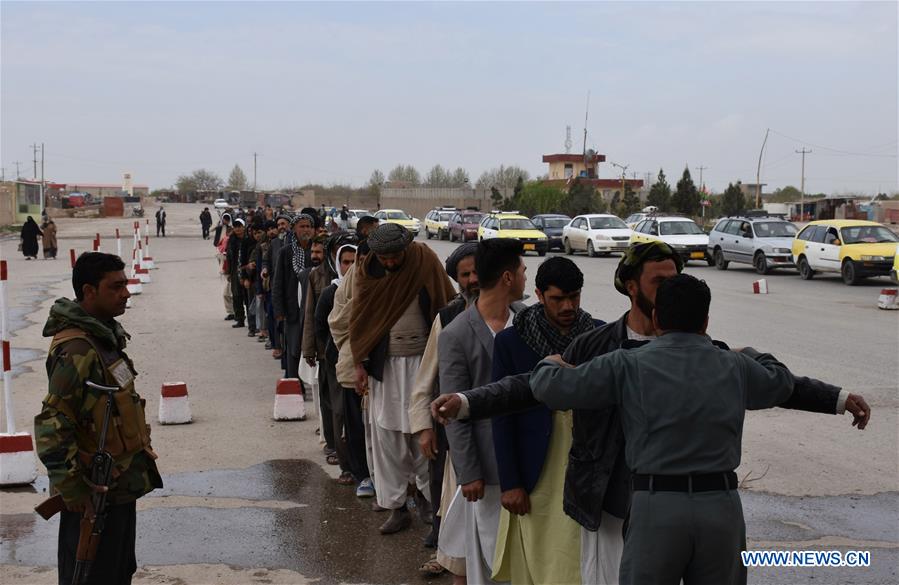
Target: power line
pixel 845 152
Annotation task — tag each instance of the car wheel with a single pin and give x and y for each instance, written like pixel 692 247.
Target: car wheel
pixel 709 260
pixel 720 262
pixel 452 238
pixel 427 234
pixel 567 246
pixel 805 271
pixel 850 273
pixel 590 251
pixel 761 263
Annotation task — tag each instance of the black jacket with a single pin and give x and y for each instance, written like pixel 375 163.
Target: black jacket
pixel 285 284
pixel 597 477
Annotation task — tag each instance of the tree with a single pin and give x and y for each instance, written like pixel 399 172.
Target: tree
pixel 686 197
pixel 660 193
pixel 502 176
pixel 199 180
pixel 629 203
pixel 582 199
pixel 404 174
pixel 786 195
pixel 376 179
pixel 536 197
pixel 496 197
pixel 733 201
pixel 437 177
pixel 237 180
pixel 460 177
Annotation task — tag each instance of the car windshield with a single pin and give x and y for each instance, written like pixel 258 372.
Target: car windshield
pixel 516 224
pixel 606 223
pixel 473 218
pixel 397 215
pixel 679 228
pixel 555 222
pixel 446 215
pixel 775 229
pixel 634 218
pixel 868 234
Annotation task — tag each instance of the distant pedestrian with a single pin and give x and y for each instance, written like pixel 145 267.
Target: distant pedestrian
pixel 160 221
pixel 29 235
pixel 49 239
pixel 344 218
pixel 205 222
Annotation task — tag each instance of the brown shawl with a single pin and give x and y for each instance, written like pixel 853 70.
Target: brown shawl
pixel 378 303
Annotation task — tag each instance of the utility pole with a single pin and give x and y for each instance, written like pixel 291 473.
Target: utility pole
pixel 758 172
pixel 701 184
pixel 803 152
pixel 254 172
pixel 18 174
pixel 42 179
pixel 623 179
pixel 701 191
pixel 34 151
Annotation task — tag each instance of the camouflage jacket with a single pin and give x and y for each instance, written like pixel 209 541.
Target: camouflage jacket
pixel 69 366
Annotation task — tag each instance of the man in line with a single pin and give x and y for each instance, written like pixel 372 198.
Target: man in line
pixel 239 245
pixel 160 221
pixel 205 222
pixel 537 544
pixel 276 243
pixel 289 288
pixel 460 266
pixel 88 345
pixel 466 361
pixel 398 289
pixel 364 227
pixel 313 352
pixel 685 520
pixel 597 480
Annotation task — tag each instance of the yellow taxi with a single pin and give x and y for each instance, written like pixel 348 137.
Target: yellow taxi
pixel 853 248
pixel 437 222
pixel 399 217
pixel 510 224
pixel 894 273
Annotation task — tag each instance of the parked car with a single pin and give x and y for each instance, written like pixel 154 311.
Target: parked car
pixel 353 216
pixel 855 249
pixel 437 222
pixel 221 204
pixel 894 273
pixel 399 217
pixel 596 234
pixel 463 225
pixel 635 218
pixel 509 224
pixel 551 224
pixel 681 233
pixel 764 242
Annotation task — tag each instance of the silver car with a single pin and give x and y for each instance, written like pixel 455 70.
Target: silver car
pixel 763 242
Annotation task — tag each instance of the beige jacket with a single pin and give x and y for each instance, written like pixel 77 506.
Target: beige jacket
pixel 425 389
pixel 339 322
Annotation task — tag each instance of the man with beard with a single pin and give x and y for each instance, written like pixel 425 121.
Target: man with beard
pixel 398 289
pixel 289 287
pixel 466 361
pixel 239 246
pixel 313 349
pixel 535 543
pixel 597 480
pixel 460 266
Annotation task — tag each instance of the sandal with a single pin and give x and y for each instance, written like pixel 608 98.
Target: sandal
pixel 432 568
pixel 346 478
pixel 332 459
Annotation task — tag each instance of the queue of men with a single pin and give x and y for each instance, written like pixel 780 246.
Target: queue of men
pixel 541 444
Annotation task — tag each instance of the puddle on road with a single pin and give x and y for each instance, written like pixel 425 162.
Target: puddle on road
pixel 334 538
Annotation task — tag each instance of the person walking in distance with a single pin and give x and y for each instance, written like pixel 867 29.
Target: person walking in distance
pixel 205 222
pixel 88 345
pixel 160 221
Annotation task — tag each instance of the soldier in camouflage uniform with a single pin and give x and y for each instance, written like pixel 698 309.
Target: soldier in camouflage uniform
pixel 88 344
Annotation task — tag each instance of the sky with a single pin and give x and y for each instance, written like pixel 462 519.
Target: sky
pixel 328 92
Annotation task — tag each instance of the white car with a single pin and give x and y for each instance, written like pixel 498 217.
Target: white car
pixel 681 233
pixel 596 234
pixel 355 215
pixel 220 204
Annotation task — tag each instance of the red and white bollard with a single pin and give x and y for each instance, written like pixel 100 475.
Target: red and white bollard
pixel 174 405
pixel 760 287
pixel 889 299
pixel 148 259
pixel 289 402
pixel 18 464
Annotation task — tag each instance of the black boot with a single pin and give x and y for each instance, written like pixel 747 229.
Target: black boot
pixel 237 325
pixel 229 317
pixel 399 520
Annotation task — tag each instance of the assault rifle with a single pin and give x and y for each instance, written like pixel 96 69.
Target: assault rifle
pixel 94 517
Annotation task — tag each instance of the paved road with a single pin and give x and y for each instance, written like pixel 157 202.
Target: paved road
pixel 251 500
